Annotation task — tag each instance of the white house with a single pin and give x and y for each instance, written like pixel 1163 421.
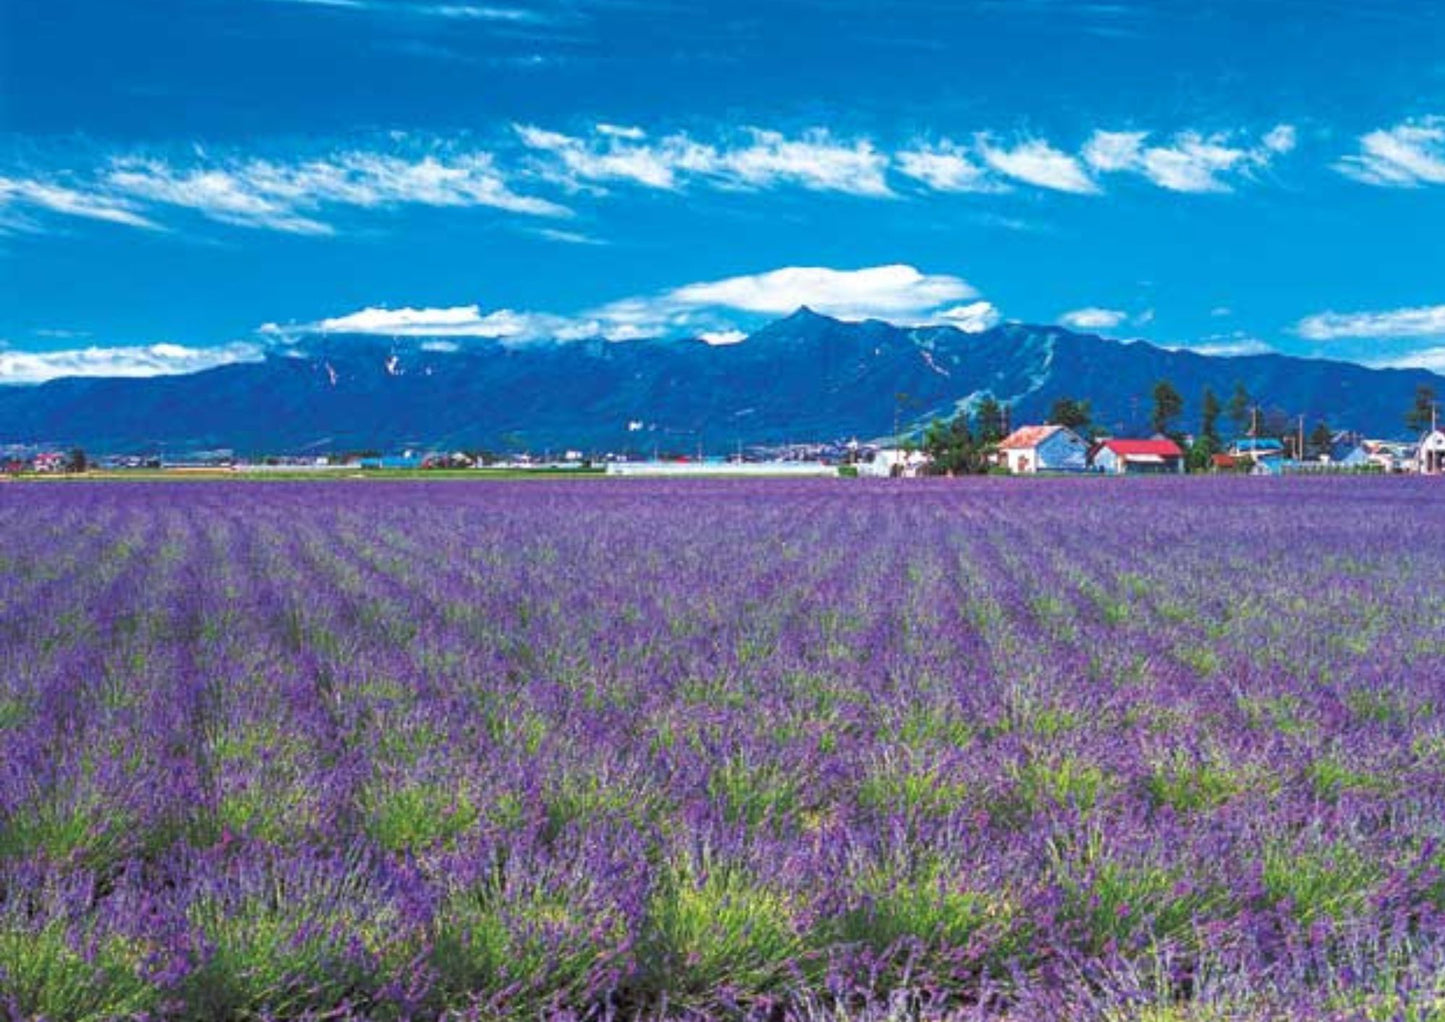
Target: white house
pixel 1044 449
pixel 893 462
pixel 1430 456
pixel 1133 457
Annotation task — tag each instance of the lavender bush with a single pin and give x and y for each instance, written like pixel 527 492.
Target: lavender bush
pixel 828 750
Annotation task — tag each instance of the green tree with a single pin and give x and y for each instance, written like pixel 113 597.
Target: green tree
pixel 1238 410
pixel 77 461
pixel 1421 413
pixel 989 421
pixel 951 447
pixel 1168 406
pixel 1209 409
pixel 1321 439
pixel 1075 414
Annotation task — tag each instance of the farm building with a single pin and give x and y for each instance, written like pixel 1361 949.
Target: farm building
pixel 1044 449
pixel 1430 457
pixel 1255 448
pixel 1350 455
pixel 894 462
pixel 1137 457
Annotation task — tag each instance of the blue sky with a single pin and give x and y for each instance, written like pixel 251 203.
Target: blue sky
pixel 182 182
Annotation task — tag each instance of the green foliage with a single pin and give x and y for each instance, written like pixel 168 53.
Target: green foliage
pixel 931 905
pixel 1422 410
pixel 1074 413
pixel 754 793
pixel 284 951
pixel 1188 785
pixel 909 785
pixel 1239 409
pixel 52 975
pixel 989 421
pixel 518 948
pixel 1209 411
pixel 952 447
pixel 1168 405
pixel 1332 880
pixel 1063 780
pixel 416 817
pixel 712 926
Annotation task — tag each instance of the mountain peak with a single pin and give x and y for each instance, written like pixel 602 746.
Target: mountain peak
pixel 806 314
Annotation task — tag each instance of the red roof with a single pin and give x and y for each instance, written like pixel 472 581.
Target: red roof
pixel 1161 448
pixel 1027 437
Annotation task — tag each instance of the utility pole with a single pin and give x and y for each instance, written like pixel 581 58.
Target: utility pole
pixel 1300 452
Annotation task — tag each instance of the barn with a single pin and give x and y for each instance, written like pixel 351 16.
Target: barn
pixel 1137 457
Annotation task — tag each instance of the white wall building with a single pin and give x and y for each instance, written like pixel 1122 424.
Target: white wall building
pixel 1044 449
pixel 1430 457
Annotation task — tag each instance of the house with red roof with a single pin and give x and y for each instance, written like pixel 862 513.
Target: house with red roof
pixel 1030 449
pixel 1137 457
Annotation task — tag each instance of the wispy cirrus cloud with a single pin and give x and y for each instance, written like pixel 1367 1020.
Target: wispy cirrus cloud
pixel 453 11
pixel 17 367
pixel 1422 321
pixel 1189 161
pixel 55 198
pixel 756 159
pixel 1038 163
pixel 302 193
pixel 1408 155
pixel 288 196
pixel 947 166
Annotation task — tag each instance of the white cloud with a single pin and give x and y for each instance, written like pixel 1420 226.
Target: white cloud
pixel 218 194
pixel 1230 345
pixel 1038 163
pixel 286 196
pixel 1234 348
pixel 1282 138
pixel 627 131
pixel 947 167
pixel 814 160
pixel 719 338
pixel 70 202
pixel 1405 156
pixel 1110 152
pixel 610 159
pixel 458 12
pixel 1191 162
pixel 1093 319
pixel 138 361
pixel 566 237
pixel 1432 359
pixel 881 292
pixel 457 321
pixel 708 309
pixel 974 318
pixel 1426 321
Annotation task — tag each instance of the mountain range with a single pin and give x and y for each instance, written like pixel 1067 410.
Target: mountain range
pixel 803 378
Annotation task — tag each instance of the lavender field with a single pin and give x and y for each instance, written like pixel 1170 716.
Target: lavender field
pixel 1167 750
